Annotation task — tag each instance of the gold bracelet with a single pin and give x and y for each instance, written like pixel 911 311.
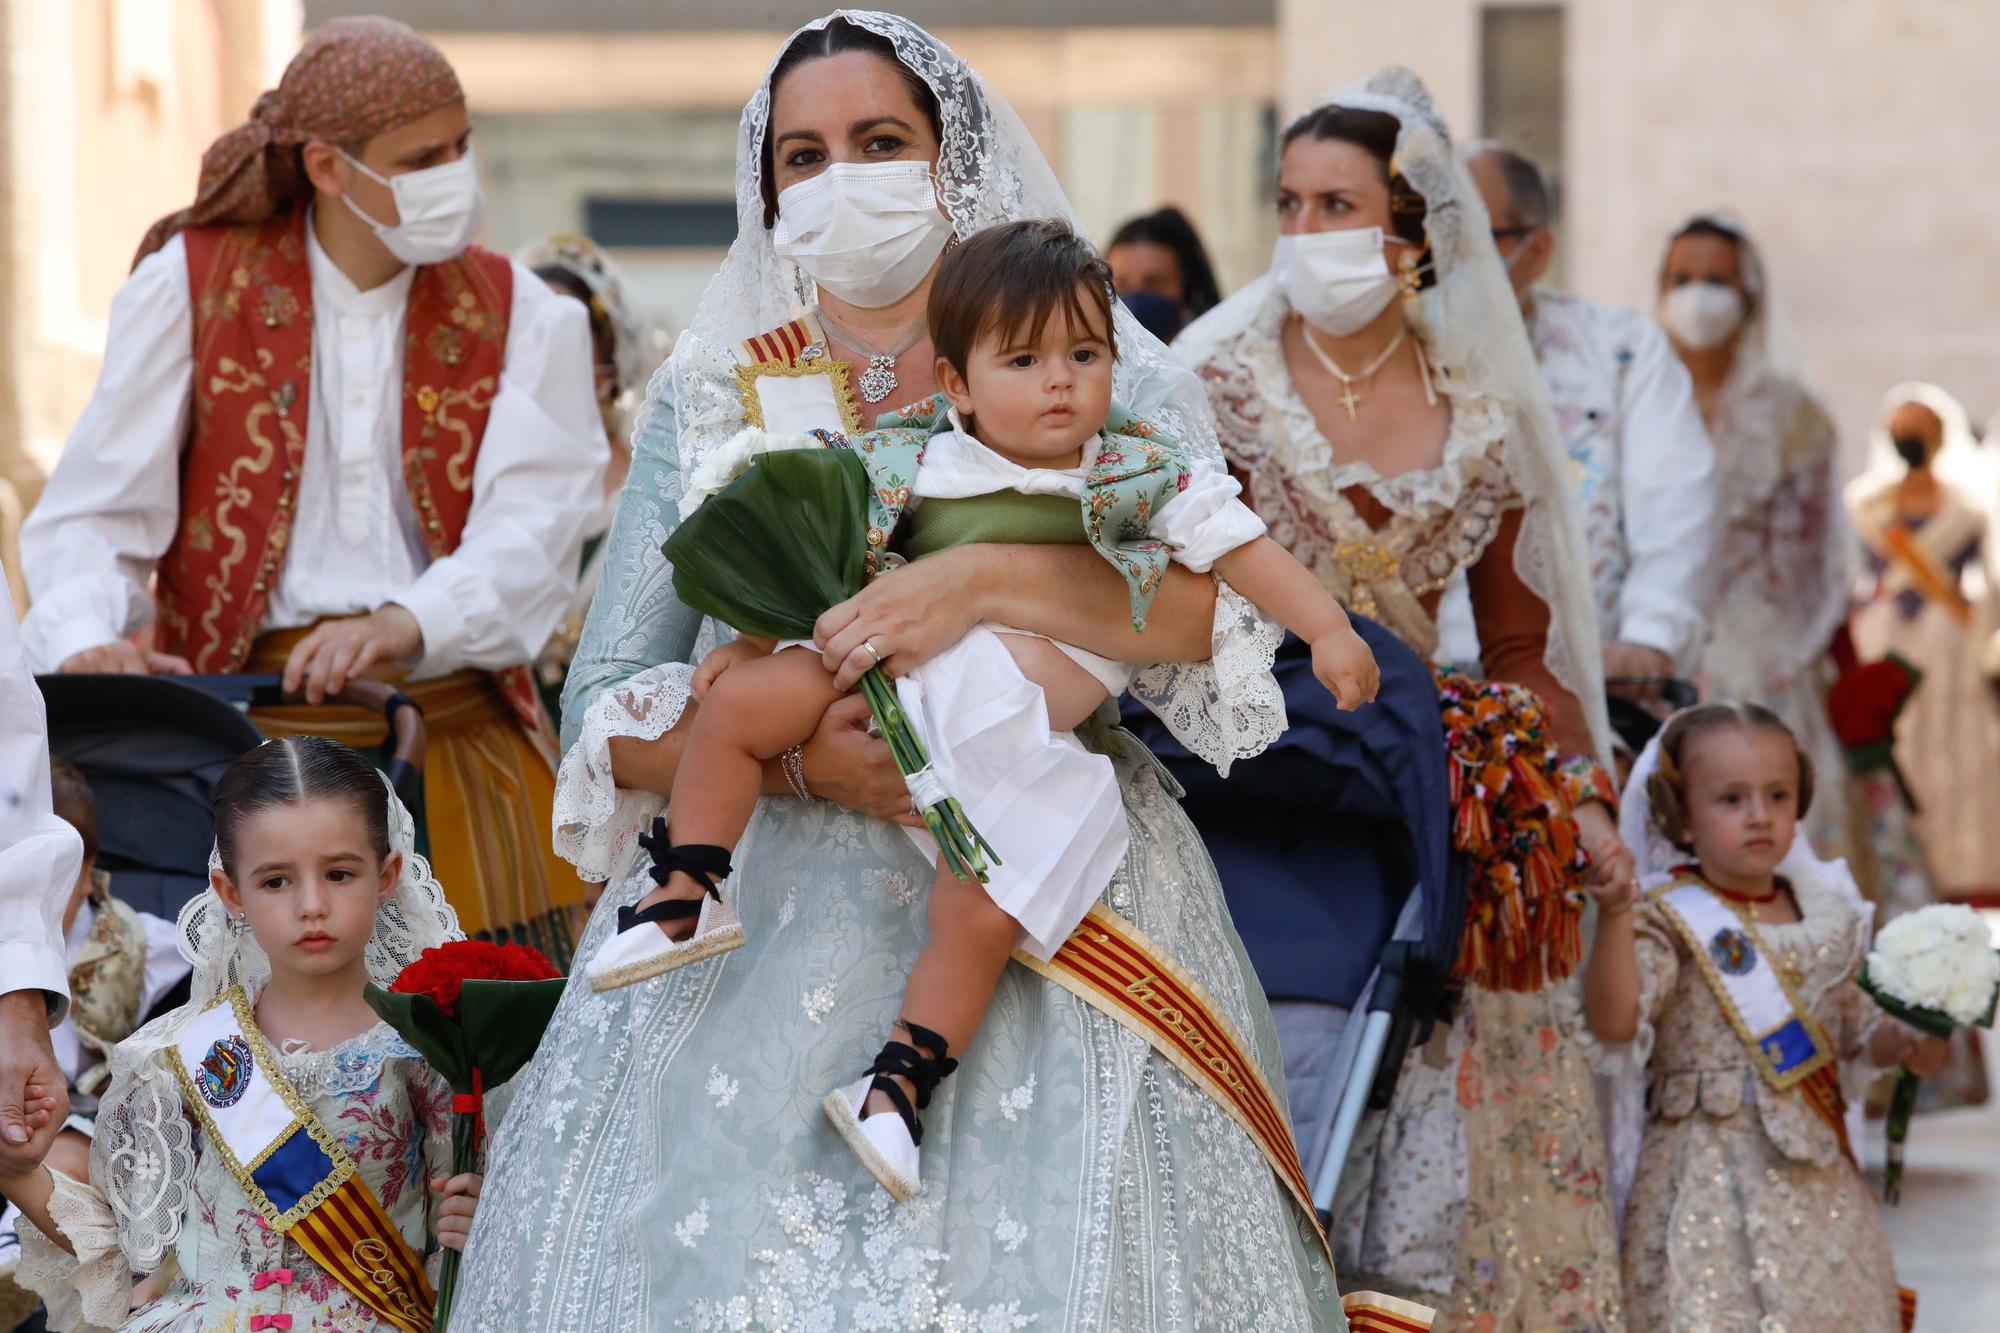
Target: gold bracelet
pixel 793 762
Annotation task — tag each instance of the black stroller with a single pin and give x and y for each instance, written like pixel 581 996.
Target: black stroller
pixel 153 747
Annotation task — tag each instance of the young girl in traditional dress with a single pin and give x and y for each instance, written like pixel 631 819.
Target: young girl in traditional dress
pixel 1031 449
pixel 1731 980
pixel 270 1152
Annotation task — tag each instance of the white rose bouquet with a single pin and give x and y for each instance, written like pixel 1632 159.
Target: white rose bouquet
pixel 1937 970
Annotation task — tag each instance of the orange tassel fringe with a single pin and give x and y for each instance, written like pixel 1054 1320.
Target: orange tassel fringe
pixel 1513 807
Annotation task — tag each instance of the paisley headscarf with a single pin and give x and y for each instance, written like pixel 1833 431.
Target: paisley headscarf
pixel 353 79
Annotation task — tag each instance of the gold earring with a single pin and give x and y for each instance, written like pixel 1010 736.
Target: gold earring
pixel 1412 282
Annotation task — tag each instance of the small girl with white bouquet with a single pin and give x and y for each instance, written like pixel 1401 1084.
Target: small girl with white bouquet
pixel 1730 980
pixel 270 1155
pixel 1031 450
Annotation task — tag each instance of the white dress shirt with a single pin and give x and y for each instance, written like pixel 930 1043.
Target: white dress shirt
pixel 40 854
pixel 1645 476
pixel 1647 479
pixel 113 505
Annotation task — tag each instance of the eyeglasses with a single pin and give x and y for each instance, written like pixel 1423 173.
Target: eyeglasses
pixel 1677 693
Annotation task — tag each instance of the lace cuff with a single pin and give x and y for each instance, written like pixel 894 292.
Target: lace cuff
pixel 1229 707
pixel 92 1289
pixel 597 823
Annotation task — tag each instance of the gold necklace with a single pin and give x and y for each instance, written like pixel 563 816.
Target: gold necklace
pixel 1349 399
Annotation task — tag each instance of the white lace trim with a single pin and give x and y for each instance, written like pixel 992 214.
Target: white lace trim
pixel 1478 422
pixel 92 1289
pixel 1229 707
pixel 597 822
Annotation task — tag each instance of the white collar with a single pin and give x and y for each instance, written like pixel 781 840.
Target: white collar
pixel 337 292
pixel 992 462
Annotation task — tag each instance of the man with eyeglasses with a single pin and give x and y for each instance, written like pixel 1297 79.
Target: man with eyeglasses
pixel 1645 467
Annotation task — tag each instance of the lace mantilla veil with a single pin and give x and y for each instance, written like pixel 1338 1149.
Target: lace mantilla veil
pixel 1470 323
pixel 142 1157
pixel 989 171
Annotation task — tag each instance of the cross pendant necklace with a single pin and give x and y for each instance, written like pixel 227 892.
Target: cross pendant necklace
pixel 1349 399
pixel 878 381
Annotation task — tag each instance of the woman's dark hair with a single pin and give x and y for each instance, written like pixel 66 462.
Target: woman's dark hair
pixel 1721 231
pixel 1013 278
pixel 293 771
pixel 1374 131
pixel 603 335
pixel 1667 788
pixel 1170 228
pixel 836 37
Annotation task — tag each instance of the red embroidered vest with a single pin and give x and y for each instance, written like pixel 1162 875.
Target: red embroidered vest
pixel 252 297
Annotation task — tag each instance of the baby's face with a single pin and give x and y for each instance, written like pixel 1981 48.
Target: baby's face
pixel 1036 399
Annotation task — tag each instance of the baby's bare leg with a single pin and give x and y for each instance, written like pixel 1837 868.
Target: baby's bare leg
pixel 755 711
pixel 952 981
pixel 1073 694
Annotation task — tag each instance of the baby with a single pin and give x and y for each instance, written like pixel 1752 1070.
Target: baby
pixel 1031 450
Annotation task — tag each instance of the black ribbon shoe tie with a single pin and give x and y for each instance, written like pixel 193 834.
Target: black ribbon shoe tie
pixel 925 1069
pixel 702 862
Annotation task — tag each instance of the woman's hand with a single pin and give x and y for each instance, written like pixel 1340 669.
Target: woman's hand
pixel 1613 877
pixel 844 764
pixel 906 618
pixel 454 1215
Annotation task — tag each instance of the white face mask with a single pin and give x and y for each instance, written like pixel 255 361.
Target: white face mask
pixel 440 207
pixel 1337 280
pixel 1702 315
pixel 867 232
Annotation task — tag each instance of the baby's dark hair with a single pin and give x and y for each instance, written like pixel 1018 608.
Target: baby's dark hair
pixel 72 802
pixel 1667 788
pixel 293 771
pixel 1012 279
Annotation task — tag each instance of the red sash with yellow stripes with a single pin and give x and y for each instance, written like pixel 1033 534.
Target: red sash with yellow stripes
pixel 292 1171
pixel 1115 967
pixel 1119 970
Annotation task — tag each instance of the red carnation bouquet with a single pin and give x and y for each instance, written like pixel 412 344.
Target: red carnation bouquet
pixel 1864 704
pixel 475 1011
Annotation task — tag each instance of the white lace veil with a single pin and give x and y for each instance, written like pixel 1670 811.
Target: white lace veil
pixel 142 1157
pixel 1961 461
pixel 1470 323
pixel 989 171
pixel 1766 380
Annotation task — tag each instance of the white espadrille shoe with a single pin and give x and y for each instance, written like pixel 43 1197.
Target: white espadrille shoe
pixel 640 951
pixel 882 1141
pixel 886 1143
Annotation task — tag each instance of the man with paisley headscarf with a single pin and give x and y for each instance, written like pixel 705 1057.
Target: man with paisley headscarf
pixel 332 438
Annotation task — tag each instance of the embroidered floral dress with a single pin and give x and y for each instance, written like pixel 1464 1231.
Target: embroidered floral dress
pixel 1745 1214
pixel 1481 1189
pixel 384 1106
